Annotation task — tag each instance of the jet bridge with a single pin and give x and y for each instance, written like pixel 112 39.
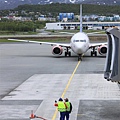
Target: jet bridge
pixel 112 65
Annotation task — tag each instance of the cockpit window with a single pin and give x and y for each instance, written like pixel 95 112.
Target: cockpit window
pixel 79 41
pixel 82 40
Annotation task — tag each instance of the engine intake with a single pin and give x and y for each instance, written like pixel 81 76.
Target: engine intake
pixel 57 50
pixel 102 49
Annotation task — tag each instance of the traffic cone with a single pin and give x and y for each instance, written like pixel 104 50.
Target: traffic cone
pixel 32 115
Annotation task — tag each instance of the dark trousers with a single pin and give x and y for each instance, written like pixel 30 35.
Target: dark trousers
pixel 67 115
pixel 62 115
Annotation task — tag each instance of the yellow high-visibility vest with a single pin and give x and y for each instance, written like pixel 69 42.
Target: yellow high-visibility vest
pixel 61 106
pixel 68 106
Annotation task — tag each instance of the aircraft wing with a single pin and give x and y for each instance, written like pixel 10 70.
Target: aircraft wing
pixel 96 44
pixel 71 33
pixel 47 43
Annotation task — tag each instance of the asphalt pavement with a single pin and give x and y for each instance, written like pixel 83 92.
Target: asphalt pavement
pixel 32 79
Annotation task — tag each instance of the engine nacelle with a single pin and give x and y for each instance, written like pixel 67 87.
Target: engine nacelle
pixel 57 50
pixel 102 49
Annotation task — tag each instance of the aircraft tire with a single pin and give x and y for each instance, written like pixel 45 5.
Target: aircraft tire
pixel 118 82
pixel 95 53
pixel 65 54
pixel 91 53
pixel 69 54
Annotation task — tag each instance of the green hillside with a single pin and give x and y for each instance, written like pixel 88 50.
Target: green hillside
pixel 54 9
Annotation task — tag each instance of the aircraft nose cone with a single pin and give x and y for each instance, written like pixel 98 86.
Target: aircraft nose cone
pixel 80 48
pixel 79 51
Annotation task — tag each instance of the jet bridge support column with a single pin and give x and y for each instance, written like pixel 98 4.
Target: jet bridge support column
pixel 112 65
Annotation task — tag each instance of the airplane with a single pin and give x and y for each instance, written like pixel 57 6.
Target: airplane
pixel 79 44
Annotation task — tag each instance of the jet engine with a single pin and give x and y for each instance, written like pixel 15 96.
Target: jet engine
pixel 57 50
pixel 102 49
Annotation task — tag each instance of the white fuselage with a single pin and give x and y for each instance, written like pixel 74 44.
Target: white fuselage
pixel 80 43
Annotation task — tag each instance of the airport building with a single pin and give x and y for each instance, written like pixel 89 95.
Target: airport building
pixel 86 25
pixel 66 17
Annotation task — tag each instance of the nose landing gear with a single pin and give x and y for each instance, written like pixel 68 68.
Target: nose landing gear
pixel 80 57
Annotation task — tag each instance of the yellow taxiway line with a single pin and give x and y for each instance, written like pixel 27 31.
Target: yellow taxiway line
pixel 66 88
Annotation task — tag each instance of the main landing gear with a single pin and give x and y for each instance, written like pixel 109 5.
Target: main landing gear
pixel 67 52
pixel 93 53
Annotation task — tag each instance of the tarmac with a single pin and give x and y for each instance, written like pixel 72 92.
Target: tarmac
pixel 48 35
pixel 32 79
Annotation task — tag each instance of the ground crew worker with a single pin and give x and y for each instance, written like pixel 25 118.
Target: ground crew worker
pixel 69 108
pixel 61 108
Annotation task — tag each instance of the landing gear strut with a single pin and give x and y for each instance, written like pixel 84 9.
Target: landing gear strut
pixel 80 58
pixel 67 52
pixel 94 52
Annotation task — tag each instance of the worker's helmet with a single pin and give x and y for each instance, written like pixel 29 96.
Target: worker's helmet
pixel 60 99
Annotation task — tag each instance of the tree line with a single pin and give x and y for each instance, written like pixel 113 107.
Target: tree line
pixel 56 8
pixel 21 26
